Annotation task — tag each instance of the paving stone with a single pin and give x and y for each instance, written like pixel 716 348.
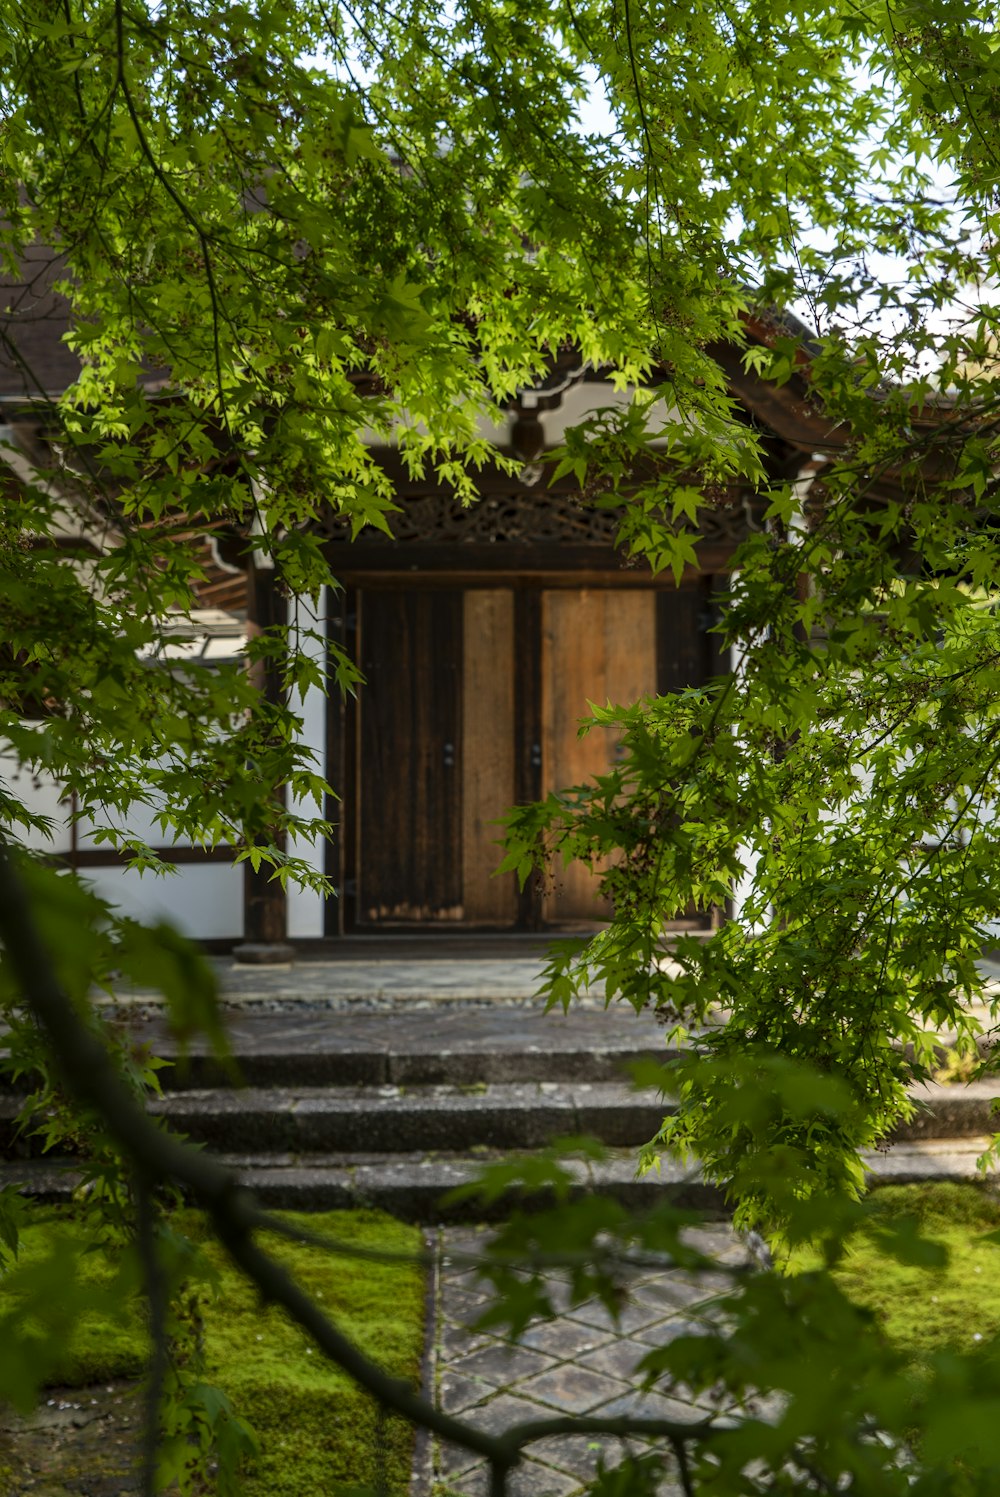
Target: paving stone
pixel 452 1459
pixel 563 1338
pixel 637 1404
pixel 579 1455
pixel 468 1279
pixel 669 1330
pixel 634 1316
pixel 768 1408
pixel 572 1389
pixel 473 1481
pixel 456 1341
pixel 714 1240
pixel 462 1306
pixel 558 1292
pixel 531 1479
pixel 679 1290
pixel 528 1479
pixel 618 1359
pixel 457 1392
pixel 500 1364
pixel 503 1410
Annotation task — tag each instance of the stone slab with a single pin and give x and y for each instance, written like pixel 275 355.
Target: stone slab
pixel 503 1116
pixel 932 1159
pixel 465 1045
pixel 413 1186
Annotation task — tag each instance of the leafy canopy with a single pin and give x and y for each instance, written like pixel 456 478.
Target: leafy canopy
pixel 281 230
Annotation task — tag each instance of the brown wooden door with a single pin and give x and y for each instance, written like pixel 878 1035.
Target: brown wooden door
pixel 473 700
pixel 409 801
pixel 598 645
pixel 435 756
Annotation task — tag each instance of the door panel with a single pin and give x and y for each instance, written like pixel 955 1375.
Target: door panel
pixel 409 806
pixel 487 752
pixel 597 645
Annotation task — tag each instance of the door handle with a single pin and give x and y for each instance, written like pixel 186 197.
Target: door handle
pixel 535 758
pixel 449 756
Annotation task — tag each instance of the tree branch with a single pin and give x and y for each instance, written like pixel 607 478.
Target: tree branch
pixel 156 1155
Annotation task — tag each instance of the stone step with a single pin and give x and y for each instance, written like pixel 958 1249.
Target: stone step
pixel 523 1115
pixel 507 1115
pixel 467 1046
pixel 930 1159
pixel 951 1110
pixel 411 1186
pixel 385 1119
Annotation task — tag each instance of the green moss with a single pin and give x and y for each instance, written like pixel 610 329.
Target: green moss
pixel 314 1426
pixel 926 1310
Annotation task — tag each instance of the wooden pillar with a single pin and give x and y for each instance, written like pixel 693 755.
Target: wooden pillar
pixel 265 904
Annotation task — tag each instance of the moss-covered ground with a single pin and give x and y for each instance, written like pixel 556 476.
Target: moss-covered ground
pixel 315 1428
pixel 923 1310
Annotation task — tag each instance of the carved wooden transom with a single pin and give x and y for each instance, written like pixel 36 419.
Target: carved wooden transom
pixel 522 518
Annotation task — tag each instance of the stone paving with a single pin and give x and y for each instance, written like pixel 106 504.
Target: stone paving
pixel 380 975
pixel 377 975
pixel 582 1362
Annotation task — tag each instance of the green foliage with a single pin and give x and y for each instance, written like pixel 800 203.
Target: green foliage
pixel 926 1307
pixel 845 783
pixel 311 1425
pixel 310 225
pixel 281 229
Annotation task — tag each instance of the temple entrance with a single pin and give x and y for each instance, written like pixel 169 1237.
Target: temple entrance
pixel 473 701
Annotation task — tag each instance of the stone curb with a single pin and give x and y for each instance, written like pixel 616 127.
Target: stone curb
pixel 526 1115
pixel 411 1186
pixel 467 1046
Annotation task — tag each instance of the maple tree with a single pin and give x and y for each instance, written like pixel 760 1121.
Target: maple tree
pixel 279 229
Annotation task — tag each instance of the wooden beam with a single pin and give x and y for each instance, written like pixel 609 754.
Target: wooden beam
pixel 110 857
pixel 467 563
pixel 335 770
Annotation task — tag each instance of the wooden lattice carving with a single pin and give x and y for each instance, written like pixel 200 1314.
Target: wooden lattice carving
pixel 524 519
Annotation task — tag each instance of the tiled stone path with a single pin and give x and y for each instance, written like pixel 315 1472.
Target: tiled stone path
pixel 583 1362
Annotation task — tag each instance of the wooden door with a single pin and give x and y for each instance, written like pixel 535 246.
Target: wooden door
pixel 598 645
pixel 409 800
pixel 473 700
pixel 488 768
pixel 434 757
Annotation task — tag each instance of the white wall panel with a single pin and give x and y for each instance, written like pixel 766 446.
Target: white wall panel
pixel 305 907
pixel 42 795
pixel 140 822
pixel 204 901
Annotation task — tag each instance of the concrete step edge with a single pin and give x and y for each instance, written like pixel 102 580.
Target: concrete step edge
pixel 412 1185
pixel 941 1110
pixel 379 1067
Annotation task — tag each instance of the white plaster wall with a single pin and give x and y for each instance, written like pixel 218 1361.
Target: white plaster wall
pixel 305 906
pixel 138 823
pixel 204 901
pixel 41 794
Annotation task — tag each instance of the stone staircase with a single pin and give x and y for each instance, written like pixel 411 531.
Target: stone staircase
pixel 395 1108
